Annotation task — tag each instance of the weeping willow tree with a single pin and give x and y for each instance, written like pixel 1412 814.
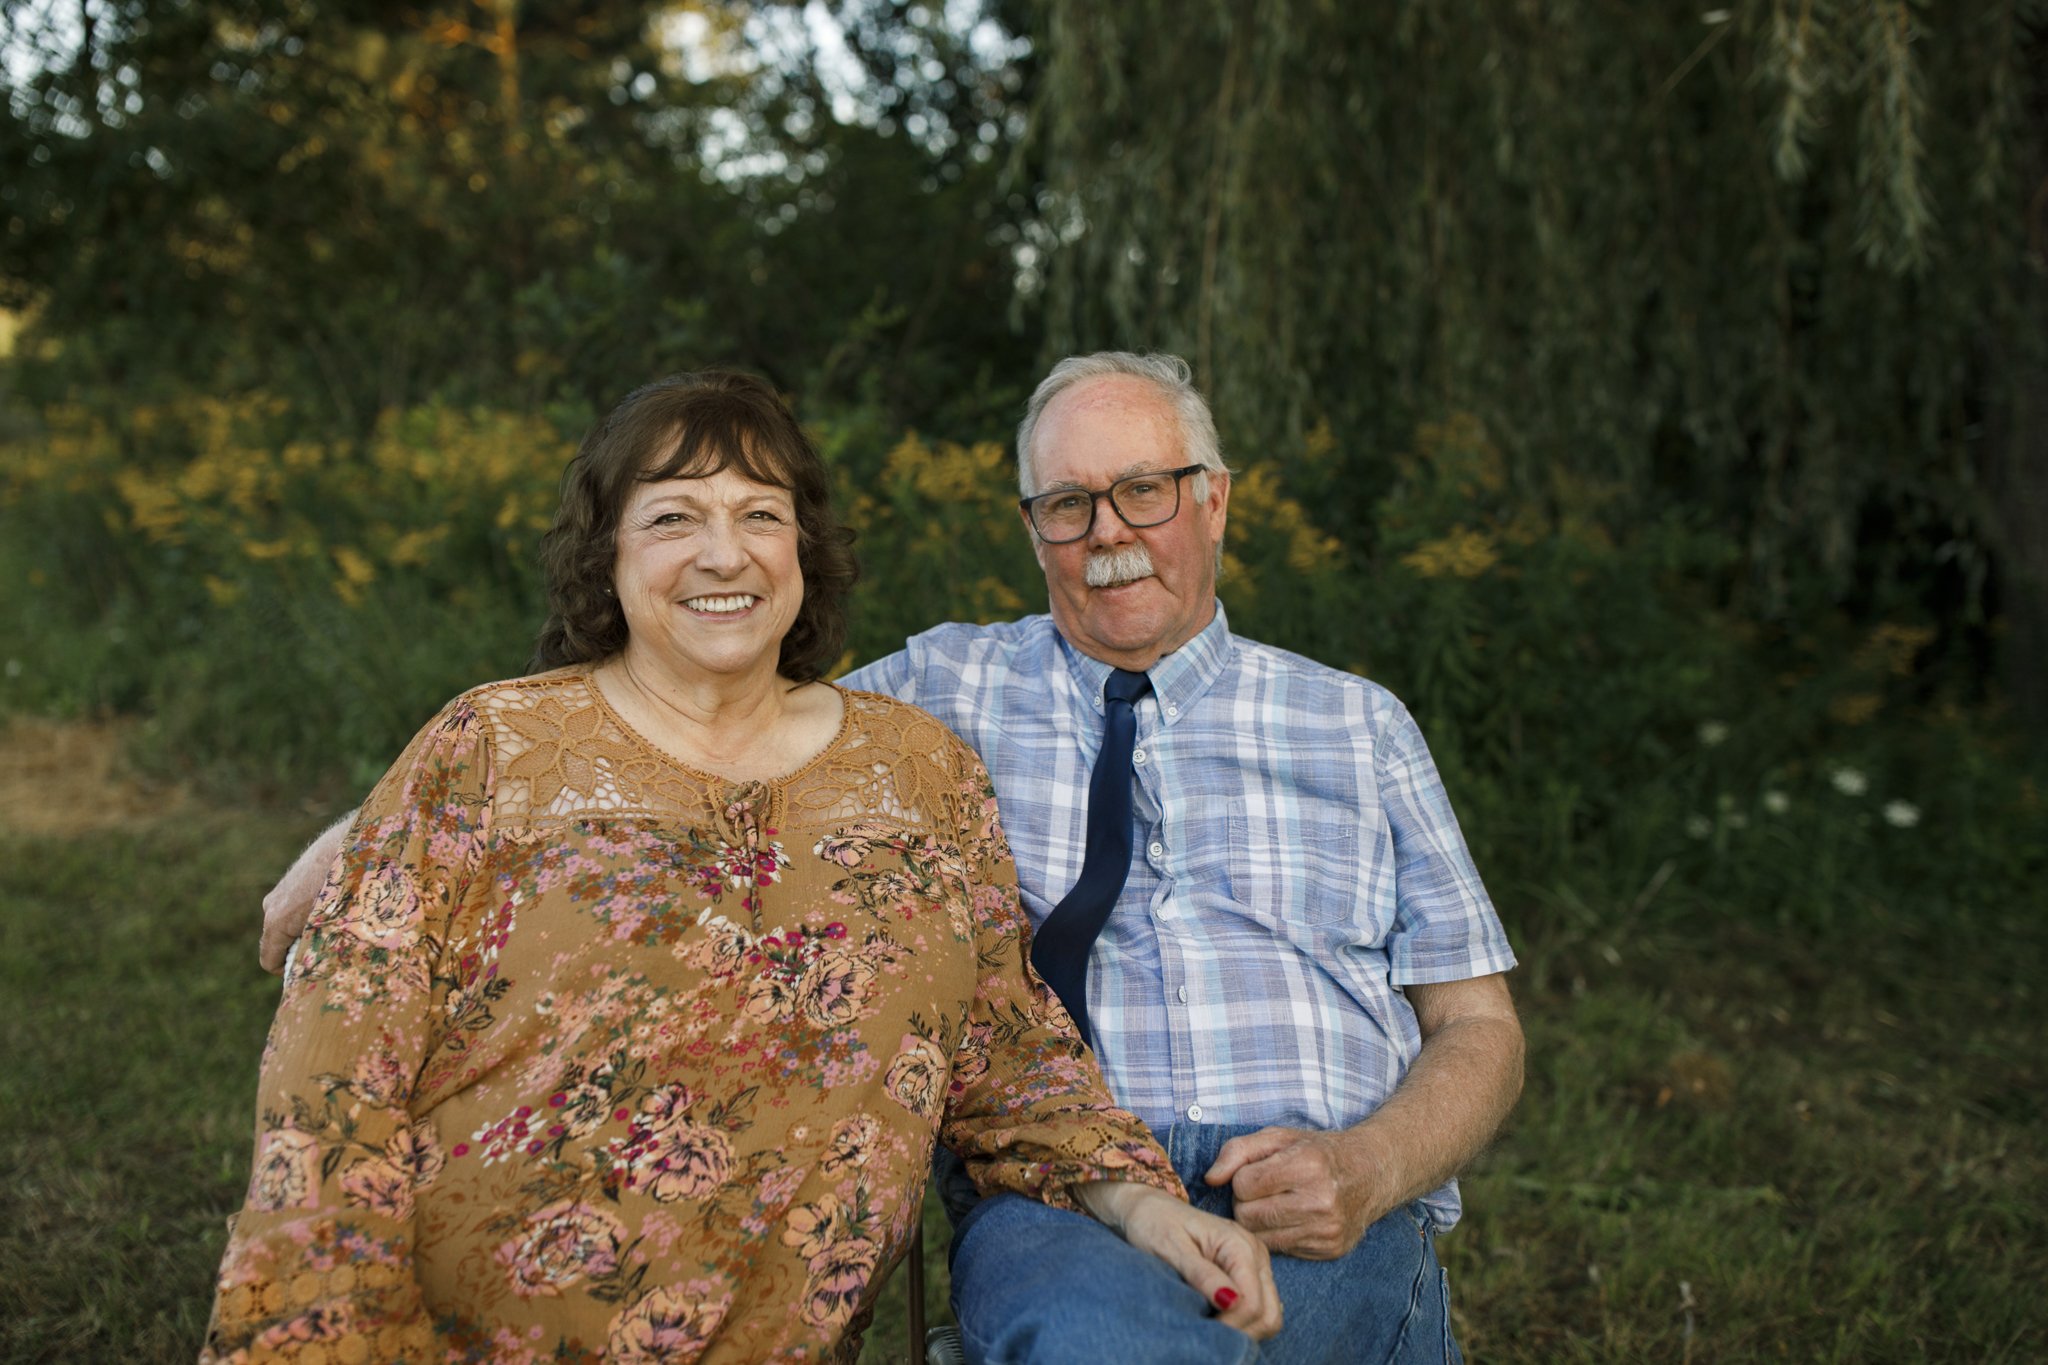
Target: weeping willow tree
pixel 1779 262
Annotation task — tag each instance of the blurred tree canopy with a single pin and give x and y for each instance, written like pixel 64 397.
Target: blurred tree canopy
pixel 1779 263
pixel 1775 268
pixel 368 205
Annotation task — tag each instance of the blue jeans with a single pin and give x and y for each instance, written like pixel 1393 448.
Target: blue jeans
pixel 1037 1284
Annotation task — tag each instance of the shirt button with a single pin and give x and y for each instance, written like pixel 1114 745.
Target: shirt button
pixel 1137 756
pixel 1156 849
pixel 1183 994
pixel 1194 1113
pixel 1172 710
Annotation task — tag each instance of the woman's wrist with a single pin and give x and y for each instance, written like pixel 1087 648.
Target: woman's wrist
pixel 1112 1202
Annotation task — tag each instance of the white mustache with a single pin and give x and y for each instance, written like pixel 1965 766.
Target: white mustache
pixel 1114 567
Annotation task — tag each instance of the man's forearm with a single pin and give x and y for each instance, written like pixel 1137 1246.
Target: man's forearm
pixel 1454 1098
pixel 289 903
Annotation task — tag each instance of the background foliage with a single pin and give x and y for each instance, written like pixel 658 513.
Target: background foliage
pixel 1655 398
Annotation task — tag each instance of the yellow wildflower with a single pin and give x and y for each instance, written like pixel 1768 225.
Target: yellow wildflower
pixel 355 568
pixel 152 508
pixel 410 549
pixel 1464 553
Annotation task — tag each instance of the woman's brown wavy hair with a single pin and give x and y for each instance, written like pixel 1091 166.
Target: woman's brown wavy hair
pixel 690 426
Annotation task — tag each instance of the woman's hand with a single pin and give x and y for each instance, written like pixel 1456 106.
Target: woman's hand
pixel 1227 1265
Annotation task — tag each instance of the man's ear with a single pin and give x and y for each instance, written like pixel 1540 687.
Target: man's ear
pixel 1037 545
pixel 1217 508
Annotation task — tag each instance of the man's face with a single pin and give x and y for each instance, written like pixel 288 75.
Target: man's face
pixel 1093 434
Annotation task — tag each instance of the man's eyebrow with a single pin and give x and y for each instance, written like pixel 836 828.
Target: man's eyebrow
pixel 1129 471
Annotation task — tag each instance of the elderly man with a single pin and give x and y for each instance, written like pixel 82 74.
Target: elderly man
pixel 1249 890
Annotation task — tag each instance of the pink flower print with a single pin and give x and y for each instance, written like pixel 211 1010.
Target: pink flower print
pixel 725 947
pixel 917 1078
pixel 779 1186
pixel 508 1136
pixel 562 1243
pixel 417 1152
pixel 740 813
pixel 995 907
pixel 382 1077
pixel 812 1227
pixel 839 1277
pixel 895 889
pixel 582 1108
pixel 386 909
pixel 494 929
pixel 1126 1156
pixel 743 869
pixel 850 846
pixel 852 1142
pixel 687 1161
pixel 378 1186
pixel 832 988
pixel 769 1000
pixel 670 1325
pixel 326 1322
pixel 970 1060
pixel 287 1162
pixel 666 1107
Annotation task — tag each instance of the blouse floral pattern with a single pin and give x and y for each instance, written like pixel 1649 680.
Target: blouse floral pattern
pixel 588 1056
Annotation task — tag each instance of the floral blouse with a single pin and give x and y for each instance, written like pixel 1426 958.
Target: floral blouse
pixel 589 1056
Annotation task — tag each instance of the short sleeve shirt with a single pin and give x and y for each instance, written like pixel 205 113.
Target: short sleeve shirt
pixel 1295 864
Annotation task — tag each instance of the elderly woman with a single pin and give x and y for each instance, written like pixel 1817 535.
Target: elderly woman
pixel 626 1023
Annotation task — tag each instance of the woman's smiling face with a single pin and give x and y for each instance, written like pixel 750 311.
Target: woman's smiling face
pixel 707 574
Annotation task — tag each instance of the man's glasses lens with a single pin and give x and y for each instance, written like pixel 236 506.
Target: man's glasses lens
pixel 1141 500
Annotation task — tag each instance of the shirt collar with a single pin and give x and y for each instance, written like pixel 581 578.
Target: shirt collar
pixel 1179 679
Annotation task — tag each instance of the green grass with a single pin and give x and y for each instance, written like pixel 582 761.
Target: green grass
pixel 1736 1144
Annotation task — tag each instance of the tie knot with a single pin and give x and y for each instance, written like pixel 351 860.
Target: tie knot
pixel 1126 686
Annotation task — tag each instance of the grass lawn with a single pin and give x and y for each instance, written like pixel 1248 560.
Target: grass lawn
pixel 1736 1144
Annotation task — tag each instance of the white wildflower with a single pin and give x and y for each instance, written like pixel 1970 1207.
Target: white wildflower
pixel 1849 781
pixel 1901 814
pixel 1713 732
pixel 1776 802
pixel 1698 826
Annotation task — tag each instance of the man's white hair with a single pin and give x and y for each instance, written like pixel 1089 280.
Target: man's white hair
pixel 1175 381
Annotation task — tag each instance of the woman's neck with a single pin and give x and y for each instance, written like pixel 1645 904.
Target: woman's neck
pixel 747 728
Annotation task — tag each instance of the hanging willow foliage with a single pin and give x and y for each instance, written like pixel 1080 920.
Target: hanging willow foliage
pixel 1769 260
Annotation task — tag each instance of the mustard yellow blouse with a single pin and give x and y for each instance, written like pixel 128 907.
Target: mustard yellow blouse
pixel 590 1056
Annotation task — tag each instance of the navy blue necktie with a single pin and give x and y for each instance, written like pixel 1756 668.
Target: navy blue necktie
pixel 1060 950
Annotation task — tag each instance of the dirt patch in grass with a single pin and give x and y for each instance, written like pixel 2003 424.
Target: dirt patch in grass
pixel 71 777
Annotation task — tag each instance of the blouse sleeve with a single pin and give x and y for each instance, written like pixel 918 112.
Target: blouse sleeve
pixel 1028 1109
pixel 320 1258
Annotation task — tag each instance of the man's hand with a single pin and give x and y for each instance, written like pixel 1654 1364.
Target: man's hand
pixel 1313 1194
pixel 1306 1194
pixel 289 903
pixel 1221 1261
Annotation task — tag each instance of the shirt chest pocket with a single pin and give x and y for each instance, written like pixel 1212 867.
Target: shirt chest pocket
pixel 1295 867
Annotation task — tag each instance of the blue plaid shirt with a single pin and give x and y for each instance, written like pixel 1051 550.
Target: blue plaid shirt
pixel 1295 863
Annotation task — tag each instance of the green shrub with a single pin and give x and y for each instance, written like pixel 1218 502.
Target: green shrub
pixel 1610 720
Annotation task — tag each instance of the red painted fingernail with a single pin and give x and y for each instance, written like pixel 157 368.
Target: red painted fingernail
pixel 1226 1297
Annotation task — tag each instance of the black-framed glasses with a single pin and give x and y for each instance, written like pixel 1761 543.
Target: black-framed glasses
pixel 1066 514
